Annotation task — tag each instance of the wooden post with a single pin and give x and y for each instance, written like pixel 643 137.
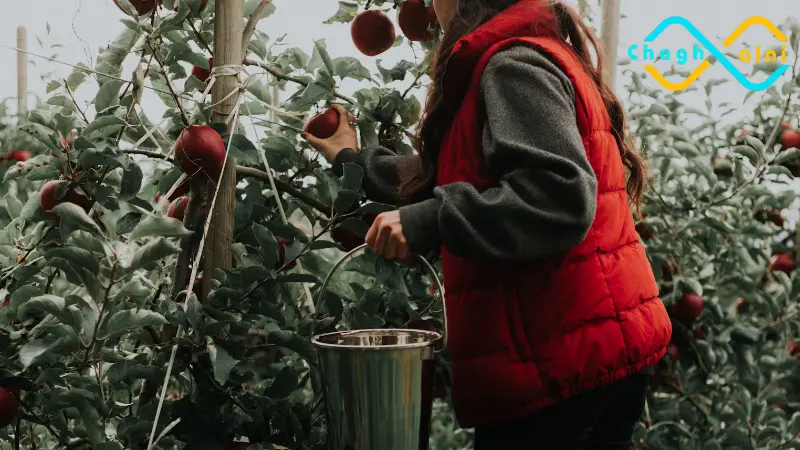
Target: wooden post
pixel 228 28
pixel 610 36
pixel 22 72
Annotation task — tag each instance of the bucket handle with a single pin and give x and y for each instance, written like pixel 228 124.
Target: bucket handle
pixel 428 267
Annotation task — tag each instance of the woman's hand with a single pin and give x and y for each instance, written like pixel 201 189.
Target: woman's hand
pixel 385 237
pixel 345 136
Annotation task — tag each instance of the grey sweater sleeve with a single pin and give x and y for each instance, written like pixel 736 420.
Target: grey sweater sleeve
pixel 545 201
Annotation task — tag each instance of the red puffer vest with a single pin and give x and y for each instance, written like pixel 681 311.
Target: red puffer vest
pixel 526 336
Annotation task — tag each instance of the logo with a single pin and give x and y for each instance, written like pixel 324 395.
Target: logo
pixel 700 51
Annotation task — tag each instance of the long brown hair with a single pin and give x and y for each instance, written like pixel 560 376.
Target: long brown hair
pixel 439 112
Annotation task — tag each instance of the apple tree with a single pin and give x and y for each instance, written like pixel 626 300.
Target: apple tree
pixel 720 225
pixel 106 341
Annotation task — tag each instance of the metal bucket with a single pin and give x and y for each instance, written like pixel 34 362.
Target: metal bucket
pixel 378 383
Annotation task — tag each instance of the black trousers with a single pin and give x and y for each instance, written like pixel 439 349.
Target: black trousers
pixel 601 419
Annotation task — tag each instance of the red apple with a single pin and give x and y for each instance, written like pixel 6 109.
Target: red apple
pixel 667 270
pixel 697 332
pixel 201 73
pixel 48 201
pixel 323 125
pixel 416 20
pixel 782 263
pixel 282 255
pixel 790 138
pixel 17 155
pixel 200 148
pixel 767 214
pixel 177 209
pixel 673 351
pixel 792 348
pixel 142 6
pixel 197 285
pixel 644 231
pixel 9 404
pixel 180 191
pixel 688 307
pixel 346 238
pixel 372 32
pixel 742 306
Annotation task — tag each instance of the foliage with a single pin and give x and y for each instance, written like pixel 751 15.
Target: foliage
pixel 714 222
pixel 89 328
pixel 95 296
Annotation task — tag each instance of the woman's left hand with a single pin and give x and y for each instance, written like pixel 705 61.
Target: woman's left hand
pixel 386 237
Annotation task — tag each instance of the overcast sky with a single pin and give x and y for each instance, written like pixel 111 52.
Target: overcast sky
pixel 84 26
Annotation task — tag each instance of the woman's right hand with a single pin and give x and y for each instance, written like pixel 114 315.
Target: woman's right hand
pixel 345 136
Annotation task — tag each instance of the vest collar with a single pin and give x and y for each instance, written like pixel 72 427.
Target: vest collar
pixel 526 18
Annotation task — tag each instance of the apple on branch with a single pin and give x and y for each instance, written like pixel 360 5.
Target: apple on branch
pixel 416 20
pixel 372 32
pixel 200 149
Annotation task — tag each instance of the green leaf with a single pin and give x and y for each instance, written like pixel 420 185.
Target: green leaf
pixel 283 385
pixel 128 222
pixel 63 101
pixel 13 206
pixel 320 57
pixel 344 201
pixel 744 334
pixel 159 226
pixel 77 215
pixel 131 182
pixel 755 143
pixel 345 14
pixel 153 252
pixel 44 135
pixel 267 243
pixel 787 155
pixel 794 424
pixel 779 170
pixel 349 67
pixel 50 304
pixel 221 361
pixel 107 96
pixel 352 177
pixel 72 398
pixel 41 173
pixel 693 285
pixel 131 319
pixel 107 124
pixel 747 152
pixel 79 257
pixel 31 352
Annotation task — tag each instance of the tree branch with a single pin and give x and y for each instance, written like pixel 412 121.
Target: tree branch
pixel 260 175
pixel 286 188
pixel 252 22
pixel 184 117
pixel 280 75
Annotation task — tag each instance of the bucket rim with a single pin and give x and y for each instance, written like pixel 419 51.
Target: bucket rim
pixel 436 337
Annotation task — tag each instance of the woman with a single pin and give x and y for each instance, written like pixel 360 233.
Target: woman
pixel 524 182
